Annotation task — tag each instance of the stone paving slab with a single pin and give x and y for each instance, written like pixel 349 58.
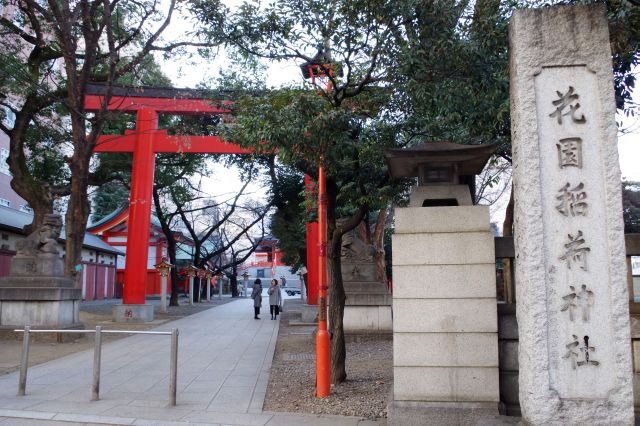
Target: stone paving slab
pixel 223 369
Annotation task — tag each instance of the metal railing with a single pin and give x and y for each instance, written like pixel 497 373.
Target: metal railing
pixel 97 354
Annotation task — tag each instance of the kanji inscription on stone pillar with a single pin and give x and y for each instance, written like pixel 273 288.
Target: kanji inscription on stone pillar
pixel 573 318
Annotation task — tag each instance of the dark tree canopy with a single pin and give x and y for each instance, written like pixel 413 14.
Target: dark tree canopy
pixel 631 207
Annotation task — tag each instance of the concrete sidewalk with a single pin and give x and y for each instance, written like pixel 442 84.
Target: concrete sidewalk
pixel 223 369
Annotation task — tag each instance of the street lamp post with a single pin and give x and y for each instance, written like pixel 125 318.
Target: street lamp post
pixel 321 67
pixel 163 269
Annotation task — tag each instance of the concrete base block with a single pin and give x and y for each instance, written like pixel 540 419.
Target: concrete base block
pixel 43 313
pixel 35 294
pixel 309 313
pixel 132 313
pixel 414 413
pixel 367 319
pixel 447 384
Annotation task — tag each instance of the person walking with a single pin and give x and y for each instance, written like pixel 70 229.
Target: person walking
pixel 256 295
pixel 275 299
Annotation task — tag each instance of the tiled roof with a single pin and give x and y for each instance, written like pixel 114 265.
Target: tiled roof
pixel 14 221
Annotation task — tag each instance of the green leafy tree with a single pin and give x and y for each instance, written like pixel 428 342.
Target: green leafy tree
pixel 110 197
pixel 52 51
pixel 288 221
pixel 405 71
pixel 631 207
pixel 303 126
pixel 347 125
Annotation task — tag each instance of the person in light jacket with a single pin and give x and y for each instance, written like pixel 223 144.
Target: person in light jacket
pixel 256 295
pixel 275 299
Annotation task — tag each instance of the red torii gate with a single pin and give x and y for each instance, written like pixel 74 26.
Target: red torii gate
pixel 144 142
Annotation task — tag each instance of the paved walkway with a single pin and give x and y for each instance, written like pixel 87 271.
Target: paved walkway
pixel 223 369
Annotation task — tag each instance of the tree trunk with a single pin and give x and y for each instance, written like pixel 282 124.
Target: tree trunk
pixel 77 210
pixel 37 194
pixel 378 244
pixel 197 284
pixel 233 282
pixel 175 282
pixel 337 295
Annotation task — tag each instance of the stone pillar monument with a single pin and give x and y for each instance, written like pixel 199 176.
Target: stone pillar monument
pixel 37 293
pixel 445 341
pixel 572 302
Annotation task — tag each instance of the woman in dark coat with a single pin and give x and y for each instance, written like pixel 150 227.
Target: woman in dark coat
pixel 256 295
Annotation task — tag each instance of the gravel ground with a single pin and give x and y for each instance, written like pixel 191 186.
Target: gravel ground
pixel 291 386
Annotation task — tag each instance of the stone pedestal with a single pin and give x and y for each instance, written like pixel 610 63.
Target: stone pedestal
pixel 28 297
pixel 132 313
pixel 308 313
pixel 39 307
pixel 445 342
pixel 36 293
pixel 368 305
pixel 572 301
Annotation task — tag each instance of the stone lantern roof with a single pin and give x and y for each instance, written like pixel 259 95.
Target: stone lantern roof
pixel 467 160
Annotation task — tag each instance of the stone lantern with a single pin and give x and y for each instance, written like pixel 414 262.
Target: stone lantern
pixel 446 171
pixel 163 269
pixel 208 274
pixel 190 271
pixel 200 274
pixel 245 283
pixel 445 358
pixel 219 276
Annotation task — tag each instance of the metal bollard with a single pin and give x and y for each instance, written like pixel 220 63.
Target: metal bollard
pixel 173 368
pixel 24 361
pixel 97 354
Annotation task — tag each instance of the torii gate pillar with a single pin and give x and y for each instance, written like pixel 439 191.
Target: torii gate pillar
pixel 140 202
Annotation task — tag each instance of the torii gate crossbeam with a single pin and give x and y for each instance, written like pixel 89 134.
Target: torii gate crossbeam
pixel 144 143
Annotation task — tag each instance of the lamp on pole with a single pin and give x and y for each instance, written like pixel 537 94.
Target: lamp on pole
pixel 201 274
pixel 245 279
pixel 219 276
pixel 163 269
pixel 208 275
pixel 321 67
pixel 190 271
pixel 303 287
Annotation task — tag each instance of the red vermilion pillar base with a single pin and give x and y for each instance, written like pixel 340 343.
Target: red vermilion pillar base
pixel 323 353
pixel 312 263
pixel 140 201
pixel 312 250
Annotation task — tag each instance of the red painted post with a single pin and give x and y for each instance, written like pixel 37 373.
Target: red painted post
pixel 323 371
pixel 135 274
pixel 273 259
pixel 312 262
pixel 312 250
